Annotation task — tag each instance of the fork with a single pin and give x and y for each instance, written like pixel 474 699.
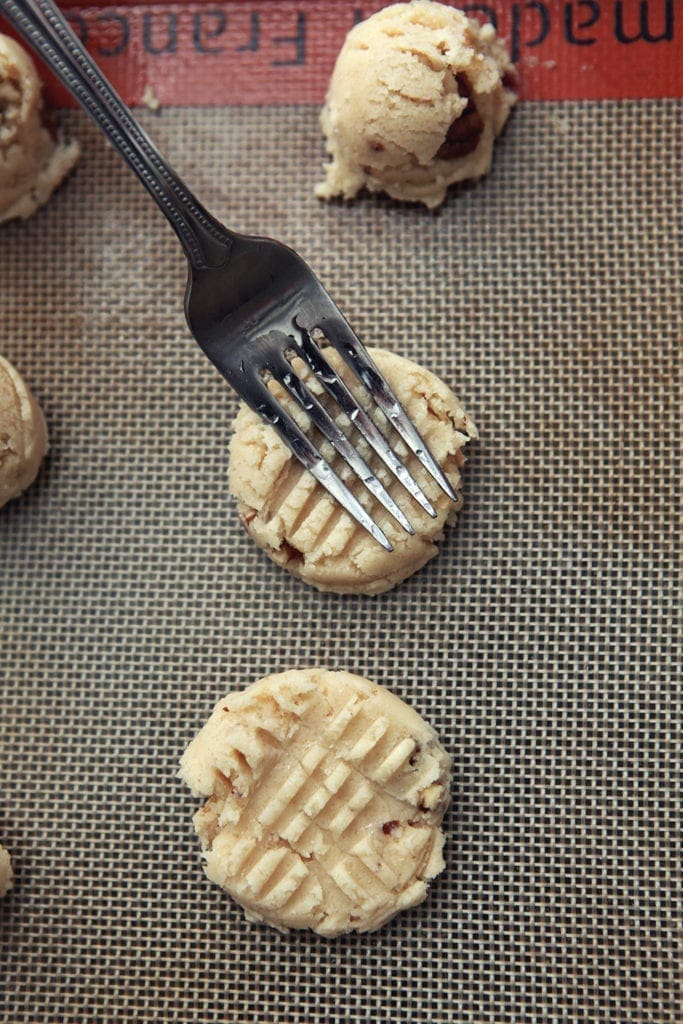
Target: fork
pixel 251 303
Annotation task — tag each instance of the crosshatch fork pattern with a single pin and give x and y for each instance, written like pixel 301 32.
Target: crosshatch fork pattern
pixel 542 644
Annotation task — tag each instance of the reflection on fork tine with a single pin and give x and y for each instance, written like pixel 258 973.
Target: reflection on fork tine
pixel 338 332
pixel 285 375
pixel 338 390
pixel 295 439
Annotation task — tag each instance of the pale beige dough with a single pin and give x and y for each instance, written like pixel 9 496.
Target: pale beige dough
pixel 23 434
pixel 32 160
pixel 325 796
pixel 418 95
pixel 6 876
pixel 301 528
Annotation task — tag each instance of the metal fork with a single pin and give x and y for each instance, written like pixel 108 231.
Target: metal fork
pixel 251 303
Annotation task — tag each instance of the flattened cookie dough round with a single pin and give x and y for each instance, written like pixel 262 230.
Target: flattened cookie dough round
pixel 301 528
pixel 33 161
pixel 23 434
pixel 325 796
pixel 418 95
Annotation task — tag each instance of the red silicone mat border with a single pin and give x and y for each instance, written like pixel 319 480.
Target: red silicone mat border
pixel 283 51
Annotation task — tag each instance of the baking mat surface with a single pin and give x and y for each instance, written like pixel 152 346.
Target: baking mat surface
pixel 542 643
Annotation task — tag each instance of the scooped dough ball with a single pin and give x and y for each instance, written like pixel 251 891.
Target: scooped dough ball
pixel 6 876
pixel 23 434
pixel 304 530
pixel 32 160
pixel 417 97
pixel 325 796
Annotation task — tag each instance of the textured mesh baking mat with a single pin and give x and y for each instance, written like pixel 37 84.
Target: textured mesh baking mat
pixel 543 642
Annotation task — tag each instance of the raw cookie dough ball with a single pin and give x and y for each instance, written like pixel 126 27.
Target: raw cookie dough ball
pixel 325 800
pixel 416 100
pixel 301 528
pixel 5 871
pixel 23 434
pixel 32 161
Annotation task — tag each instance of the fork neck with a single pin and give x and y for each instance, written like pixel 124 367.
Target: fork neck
pixel 206 242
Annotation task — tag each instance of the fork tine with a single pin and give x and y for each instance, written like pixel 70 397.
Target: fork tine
pixel 336 387
pixel 284 373
pixel 300 446
pixel 351 349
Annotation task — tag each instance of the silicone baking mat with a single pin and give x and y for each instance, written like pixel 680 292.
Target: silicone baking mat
pixel 543 643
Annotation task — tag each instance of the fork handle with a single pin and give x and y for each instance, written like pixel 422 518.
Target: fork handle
pixel 205 241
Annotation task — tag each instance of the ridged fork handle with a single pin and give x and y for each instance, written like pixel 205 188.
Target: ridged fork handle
pixel 205 241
